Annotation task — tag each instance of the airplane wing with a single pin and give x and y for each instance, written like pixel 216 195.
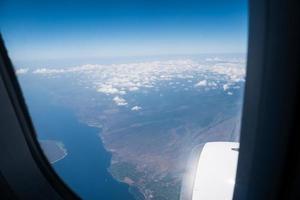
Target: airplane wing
pixel 216 171
pixel 210 172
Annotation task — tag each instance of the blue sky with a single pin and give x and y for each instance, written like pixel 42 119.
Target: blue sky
pixel 72 29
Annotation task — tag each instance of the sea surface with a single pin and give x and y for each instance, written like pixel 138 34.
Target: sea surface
pixel 84 169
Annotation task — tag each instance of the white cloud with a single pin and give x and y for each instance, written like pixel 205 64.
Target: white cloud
pixel 212 84
pixel 108 89
pixel 48 71
pixel 120 101
pixel 22 71
pixel 213 59
pixel 133 88
pixel 120 79
pixel 136 108
pixel 234 72
pixel 225 87
pixel 201 83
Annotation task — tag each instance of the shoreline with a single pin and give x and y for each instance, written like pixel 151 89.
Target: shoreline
pixel 52 162
pixel 133 189
pixel 55 145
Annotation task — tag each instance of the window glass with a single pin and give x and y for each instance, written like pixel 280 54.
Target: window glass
pixel 125 94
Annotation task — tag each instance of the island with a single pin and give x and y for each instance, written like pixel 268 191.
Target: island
pixel 54 150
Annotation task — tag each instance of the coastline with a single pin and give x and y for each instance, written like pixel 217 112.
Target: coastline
pixel 62 147
pixel 133 189
pixel 51 148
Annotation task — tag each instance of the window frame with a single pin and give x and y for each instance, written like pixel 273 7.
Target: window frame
pixel 268 165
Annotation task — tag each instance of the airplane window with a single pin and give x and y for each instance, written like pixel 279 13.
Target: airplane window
pixel 133 99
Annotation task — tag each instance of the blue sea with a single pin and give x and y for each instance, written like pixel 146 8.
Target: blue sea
pixel 84 169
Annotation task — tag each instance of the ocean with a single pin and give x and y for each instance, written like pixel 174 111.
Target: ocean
pixel 84 169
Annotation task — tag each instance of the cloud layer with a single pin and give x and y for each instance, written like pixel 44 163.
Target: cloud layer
pixel 117 80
